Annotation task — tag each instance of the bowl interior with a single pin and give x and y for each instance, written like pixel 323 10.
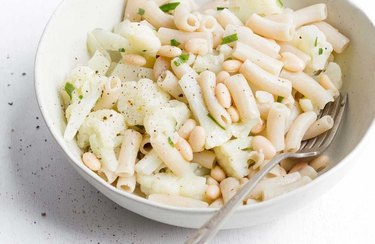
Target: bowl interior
pixel 63 47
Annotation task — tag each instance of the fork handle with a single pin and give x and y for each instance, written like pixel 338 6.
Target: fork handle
pixel 210 228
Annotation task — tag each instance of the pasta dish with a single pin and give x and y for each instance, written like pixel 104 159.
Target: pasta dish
pixel 182 103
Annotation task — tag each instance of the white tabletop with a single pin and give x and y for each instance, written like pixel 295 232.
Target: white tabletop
pixel 42 199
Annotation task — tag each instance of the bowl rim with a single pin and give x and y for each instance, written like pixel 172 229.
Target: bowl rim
pixel 254 207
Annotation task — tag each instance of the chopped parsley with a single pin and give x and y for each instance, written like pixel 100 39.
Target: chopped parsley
pixel 121 50
pixel 169 6
pixel 170 142
pixel 183 58
pixel 280 99
pixel 280 3
pixel 316 42
pixel 80 97
pixel 69 88
pixel 141 11
pixel 175 43
pixel 221 8
pixel 229 39
pixel 214 120
pixel 320 51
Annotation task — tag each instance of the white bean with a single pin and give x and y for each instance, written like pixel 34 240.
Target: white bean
pixel 186 128
pixel 222 76
pixel 233 113
pixel 213 192
pixel 223 95
pixel 218 173
pixel 243 181
pixel 169 51
pixel 320 163
pixel 91 161
pixel 292 62
pixel 258 128
pixel 185 149
pixel 161 65
pixel 232 66
pixel 262 144
pixel 211 181
pixel 134 59
pixel 197 139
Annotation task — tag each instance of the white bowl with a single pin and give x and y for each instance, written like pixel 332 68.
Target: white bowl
pixel 63 46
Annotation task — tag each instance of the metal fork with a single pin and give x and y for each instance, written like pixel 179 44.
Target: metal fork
pixel 309 148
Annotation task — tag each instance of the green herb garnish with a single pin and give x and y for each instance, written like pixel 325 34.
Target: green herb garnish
pixel 316 42
pixel 280 3
pixel 121 50
pixel 230 38
pixel 170 142
pixel 280 99
pixel 248 149
pixel 318 72
pixel 214 120
pixel 69 88
pixel 80 97
pixel 221 8
pixel 141 11
pixel 175 43
pixel 169 6
pixel 183 58
pixel 320 51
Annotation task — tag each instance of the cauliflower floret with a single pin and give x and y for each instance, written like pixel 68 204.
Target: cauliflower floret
pixel 102 131
pixel 169 184
pixel 142 39
pixel 84 87
pixel 140 98
pixel 208 62
pixel 99 63
pixel 128 72
pixel 245 8
pixel 102 39
pixel 313 42
pixel 166 118
pixel 234 156
pixel 333 71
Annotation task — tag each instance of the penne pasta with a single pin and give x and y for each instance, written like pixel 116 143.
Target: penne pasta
pixel 276 125
pixel 307 86
pixel 128 153
pixel 156 17
pixel 166 35
pixel 319 127
pixel 248 37
pixel 313 13
pixel 338 41
pixel 244 52
pixel 298 129
pixel 126 183
pixel 271 29
pixel 243 98
pixel 110 94
pixel 225 17
pixel 266 81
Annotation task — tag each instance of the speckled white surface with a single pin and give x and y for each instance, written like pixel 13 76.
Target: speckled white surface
pixel 42 199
